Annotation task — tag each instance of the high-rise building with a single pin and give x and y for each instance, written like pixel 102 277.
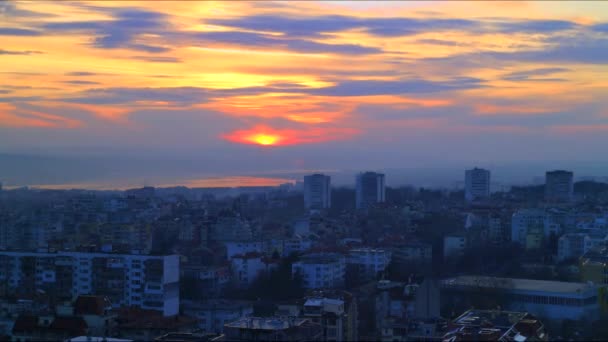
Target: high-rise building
pixel 370 189
pixel 559 186
pixel 317 191
pixel 477 184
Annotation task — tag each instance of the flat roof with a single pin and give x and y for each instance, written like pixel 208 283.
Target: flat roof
pixel 262 323
pixel 518 284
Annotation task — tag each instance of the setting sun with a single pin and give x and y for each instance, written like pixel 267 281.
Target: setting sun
pixel 265 139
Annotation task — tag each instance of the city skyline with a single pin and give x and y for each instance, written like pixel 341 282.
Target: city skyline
pixel 229 90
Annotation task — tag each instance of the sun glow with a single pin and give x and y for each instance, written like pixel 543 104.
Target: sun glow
pixel 265 139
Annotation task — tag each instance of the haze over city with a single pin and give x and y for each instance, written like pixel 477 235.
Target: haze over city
pixel 112 94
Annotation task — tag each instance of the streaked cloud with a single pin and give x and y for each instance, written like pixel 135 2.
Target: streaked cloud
pixel 306 76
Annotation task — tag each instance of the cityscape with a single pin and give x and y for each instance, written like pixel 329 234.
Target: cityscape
pixel 307 261
pixel 181 171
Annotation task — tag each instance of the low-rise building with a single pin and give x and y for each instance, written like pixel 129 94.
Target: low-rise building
pixel 547 299
pixel 246 268
pixel 213 314
pixel 272 329
pixel 454 245
pixel 321 270
pixel 494 325
pixel 409 252
pixel 368 263
pixel 572 245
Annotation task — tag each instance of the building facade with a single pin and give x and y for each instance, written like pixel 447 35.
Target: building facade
pixel 145 281
pixel 559 186
pixel 317 192
pixel 370 189
pixel 321 270
pixel 547 299
pixel 477 184
pixel 368 262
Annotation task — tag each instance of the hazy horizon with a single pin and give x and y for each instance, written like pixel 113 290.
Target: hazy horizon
pixel 108 173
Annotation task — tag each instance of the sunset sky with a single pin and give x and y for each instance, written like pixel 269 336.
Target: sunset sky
pixel 261 86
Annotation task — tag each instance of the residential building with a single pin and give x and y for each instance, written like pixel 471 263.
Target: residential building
pixel 496 325
pixel 534 238
pixel 523 220
pixel 317 192
pixel 329 313
pixel 321 270
pixel 348 320
pixel 573 245
pixel 368 263
pixel 213 314
pixel 477 184
pixel 145 281
pixel 297 244
pixel 272 329
pixel 97 313
pixel 242 247
pixel 246 268
pixel 548 299
pixel 454 245
pixel 559 186
pixel 145 325
pixel 370 189
pixel 418 252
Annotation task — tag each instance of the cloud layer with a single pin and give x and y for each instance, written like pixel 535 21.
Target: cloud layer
pixel 210 76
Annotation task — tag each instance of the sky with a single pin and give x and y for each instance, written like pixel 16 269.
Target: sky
pixel 169 90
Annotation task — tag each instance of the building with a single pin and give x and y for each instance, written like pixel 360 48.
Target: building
pixel 297 244
pixel 213 314
pixel 370 189
pixel 547 299
pixel 246 268
pixel 144 281
pixel 96 312
pixel 368 263
pixel 145 325
pixel 559 186
pixel 573 245
pixel 477 184
pixel 412 252
pixel 317 192
pixel 242 247
pixel 594 266
pixel 331 310
pixel 329 313
pixel 321 270
pixel 524 220
pixel 495 325
pixel 272 329
pixel 454 245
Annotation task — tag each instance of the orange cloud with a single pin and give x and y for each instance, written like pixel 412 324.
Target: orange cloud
pixel 267 136
pixel 10 116
pixel 298 108
pixel 104 112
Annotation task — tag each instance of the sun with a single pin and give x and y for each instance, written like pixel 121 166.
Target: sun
pixel 265 139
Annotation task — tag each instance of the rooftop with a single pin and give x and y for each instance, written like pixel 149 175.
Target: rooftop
pixel 266 323
pixel 518 284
